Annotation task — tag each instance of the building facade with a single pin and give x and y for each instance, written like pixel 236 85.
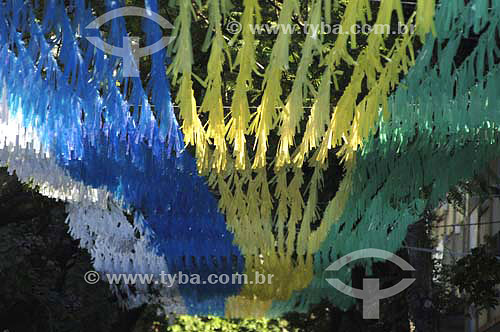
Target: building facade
pixel 460 229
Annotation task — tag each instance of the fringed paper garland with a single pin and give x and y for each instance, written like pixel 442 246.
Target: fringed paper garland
pixel 181 72
pixel 246 60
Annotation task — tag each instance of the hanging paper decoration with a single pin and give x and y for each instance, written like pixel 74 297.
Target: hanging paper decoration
pixel 79 131
pixel 110 146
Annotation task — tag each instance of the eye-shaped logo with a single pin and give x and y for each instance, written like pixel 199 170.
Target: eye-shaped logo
pixel 130 52
pixel 371 294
